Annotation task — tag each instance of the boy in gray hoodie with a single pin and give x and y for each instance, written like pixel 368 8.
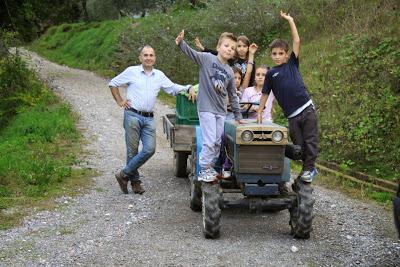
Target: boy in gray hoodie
pixel 216 81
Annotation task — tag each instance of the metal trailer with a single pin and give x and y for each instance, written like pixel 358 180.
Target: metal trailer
pixel 181 139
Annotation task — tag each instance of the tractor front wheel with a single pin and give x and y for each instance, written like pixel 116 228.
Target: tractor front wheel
pixel 301 213
pixel 211 210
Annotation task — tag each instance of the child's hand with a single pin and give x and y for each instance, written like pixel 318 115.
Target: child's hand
pixel 253 48
pixel 198 44
pixel 192 94
pixel 259 118
pixel 179 39
pixel 286 16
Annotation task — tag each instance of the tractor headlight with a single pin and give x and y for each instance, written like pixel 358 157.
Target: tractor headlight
pixel 247 136
pixel 277 136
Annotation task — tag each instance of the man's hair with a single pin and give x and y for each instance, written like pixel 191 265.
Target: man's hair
pixel 226 35
pixel 146 46
pixel 279 43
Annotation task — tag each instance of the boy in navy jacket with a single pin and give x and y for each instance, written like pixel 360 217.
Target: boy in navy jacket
pixel 288 87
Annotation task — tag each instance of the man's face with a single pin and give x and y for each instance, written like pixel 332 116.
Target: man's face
pixel 227 48
pixel 279 55
pixel 147 57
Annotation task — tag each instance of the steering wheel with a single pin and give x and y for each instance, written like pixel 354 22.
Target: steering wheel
pixel 246 112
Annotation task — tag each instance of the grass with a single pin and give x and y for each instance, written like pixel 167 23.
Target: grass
pixel 349 188
pixel 83 45
pixel 355 190
pixel 39 161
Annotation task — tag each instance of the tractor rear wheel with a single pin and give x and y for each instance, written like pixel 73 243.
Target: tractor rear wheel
pixel 180 164
pixel 211 210
pixel 195 194
pixel 301 213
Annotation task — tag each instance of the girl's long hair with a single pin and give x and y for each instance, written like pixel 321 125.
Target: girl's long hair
pixel 246 41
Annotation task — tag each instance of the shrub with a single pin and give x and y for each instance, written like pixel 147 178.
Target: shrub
pixel 18 86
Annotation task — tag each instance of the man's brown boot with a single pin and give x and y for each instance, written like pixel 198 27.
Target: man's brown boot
pixel 122 181
pixel 137 187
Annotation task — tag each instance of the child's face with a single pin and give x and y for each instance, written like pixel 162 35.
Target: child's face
pixel 227 48
pixel 279 55
pixel 260 76
pixel 242 49
pixel 238 79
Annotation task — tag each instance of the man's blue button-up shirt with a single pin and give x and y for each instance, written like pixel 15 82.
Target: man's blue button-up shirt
pixel 143 88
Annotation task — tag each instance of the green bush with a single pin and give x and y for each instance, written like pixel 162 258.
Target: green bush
pixel 18 87
pixel 362 97
pixel 160 31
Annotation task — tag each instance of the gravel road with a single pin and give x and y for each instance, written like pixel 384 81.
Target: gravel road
pixel 105 227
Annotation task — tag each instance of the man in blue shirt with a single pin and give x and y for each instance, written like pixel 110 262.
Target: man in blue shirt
pixel 144 82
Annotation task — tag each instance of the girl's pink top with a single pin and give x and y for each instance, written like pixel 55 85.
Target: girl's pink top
pixel 251 95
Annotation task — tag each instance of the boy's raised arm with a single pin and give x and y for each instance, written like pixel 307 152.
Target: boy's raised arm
pixel 179 38
pixel 295 34
pixel 197 57
pixel 250 65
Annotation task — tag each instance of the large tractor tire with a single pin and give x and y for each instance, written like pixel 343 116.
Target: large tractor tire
pixel 180 164
pixel 301 213
pixel 195 194
pixel 211 210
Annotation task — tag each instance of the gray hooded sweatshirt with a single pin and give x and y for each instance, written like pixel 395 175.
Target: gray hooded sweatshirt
pixel 216 81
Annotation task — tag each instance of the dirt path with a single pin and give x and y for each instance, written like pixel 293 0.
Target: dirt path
pixel 105 227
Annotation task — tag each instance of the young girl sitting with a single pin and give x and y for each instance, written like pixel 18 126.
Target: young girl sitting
pixel 253 94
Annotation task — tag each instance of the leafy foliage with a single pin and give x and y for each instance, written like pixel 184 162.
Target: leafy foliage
pixel 18 87
pixel 361 121
pixel 161 30
pixel 30 18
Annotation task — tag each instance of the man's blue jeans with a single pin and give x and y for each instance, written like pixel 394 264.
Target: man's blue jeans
pixel 137 128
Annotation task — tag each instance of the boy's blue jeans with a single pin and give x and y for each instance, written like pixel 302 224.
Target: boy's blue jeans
pixel 138 128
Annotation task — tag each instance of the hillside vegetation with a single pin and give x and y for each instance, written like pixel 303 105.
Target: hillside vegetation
pixel 39 143
pixel 350 62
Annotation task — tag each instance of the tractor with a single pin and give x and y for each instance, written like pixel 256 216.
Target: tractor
pixel 261 157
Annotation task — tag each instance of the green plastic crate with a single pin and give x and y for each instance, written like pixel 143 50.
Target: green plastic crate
pixel 186 111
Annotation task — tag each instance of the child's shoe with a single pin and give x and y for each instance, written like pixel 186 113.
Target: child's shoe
pixel 226 174
pixel 309 176
pixel 208 175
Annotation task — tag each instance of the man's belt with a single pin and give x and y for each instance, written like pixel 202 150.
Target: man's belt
pixel 142 113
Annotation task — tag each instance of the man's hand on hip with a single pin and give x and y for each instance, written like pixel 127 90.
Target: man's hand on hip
pixel 124 104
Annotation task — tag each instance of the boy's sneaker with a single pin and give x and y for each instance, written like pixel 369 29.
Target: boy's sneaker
pixel 309 176
pixel 226 174
pixel 208 175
